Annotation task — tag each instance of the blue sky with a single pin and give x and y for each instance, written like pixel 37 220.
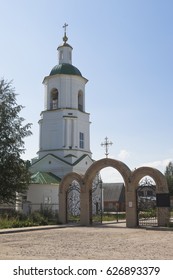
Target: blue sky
pixel 124 48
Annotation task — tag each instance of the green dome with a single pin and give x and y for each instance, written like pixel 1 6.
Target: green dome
pixel 65 68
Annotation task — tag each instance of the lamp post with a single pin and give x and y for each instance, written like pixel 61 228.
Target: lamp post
pixel 117 208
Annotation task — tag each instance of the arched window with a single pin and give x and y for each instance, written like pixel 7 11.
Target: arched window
pixel 80 101
pixel 61 55
pixel 54 99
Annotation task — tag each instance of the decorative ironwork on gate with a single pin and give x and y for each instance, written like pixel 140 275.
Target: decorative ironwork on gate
pixel 146 203
pixel 73 202
pixel 96 201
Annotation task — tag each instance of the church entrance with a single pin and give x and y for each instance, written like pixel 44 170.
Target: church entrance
pixel 136 210
pixel 152 197
pixel 91 174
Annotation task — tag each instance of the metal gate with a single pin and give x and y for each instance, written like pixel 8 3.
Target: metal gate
pixel 96 201
pixel 146 203
pixel 73 202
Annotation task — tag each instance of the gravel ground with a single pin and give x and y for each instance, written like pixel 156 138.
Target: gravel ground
pixel 109 241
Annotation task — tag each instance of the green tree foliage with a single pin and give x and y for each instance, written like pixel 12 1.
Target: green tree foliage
pixel 14 174
pixel 169 176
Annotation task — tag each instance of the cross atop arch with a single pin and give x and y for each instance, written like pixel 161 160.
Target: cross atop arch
pixel 106 144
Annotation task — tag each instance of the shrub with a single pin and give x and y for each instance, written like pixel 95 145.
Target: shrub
pixel 38 218
pixel 17 219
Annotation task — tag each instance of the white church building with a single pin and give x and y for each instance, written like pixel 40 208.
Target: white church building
pixel 64 131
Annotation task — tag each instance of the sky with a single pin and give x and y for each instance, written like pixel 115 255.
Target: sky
pixel 124 48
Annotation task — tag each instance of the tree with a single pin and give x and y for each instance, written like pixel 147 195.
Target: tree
pixel 169 176
pixel 14 173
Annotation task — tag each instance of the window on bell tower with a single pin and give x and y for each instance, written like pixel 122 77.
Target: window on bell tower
pixel 81 140
pixel 54 99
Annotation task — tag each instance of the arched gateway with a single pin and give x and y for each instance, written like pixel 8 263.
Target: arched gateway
pixel 131 181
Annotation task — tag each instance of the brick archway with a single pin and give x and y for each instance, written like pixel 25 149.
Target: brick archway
pixel 91 174
pixel 158 177
pixel 103 163
pixel 161 187
pixel 131 180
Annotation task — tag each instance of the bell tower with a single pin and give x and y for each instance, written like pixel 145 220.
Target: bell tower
pixel 64 124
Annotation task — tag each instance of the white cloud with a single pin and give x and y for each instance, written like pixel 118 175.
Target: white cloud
pixel 110 175
pixel 123 154
pixel 159 164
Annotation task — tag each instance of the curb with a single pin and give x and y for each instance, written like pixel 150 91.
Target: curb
pixel 26 229
pixel 160 228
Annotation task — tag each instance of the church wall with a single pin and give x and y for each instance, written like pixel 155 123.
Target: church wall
pixel 83 165
pixel 56 133
pixel 50 129
pixel 51 164
pixel 46 102
pixel 43 195
pixel 83 127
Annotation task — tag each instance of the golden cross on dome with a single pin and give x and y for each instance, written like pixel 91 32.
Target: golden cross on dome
pixel 65 38
pixel 65 27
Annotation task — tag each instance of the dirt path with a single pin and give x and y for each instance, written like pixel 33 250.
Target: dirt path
pixel 100 242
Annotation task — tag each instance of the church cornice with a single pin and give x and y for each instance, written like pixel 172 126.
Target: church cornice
pixel 58 158
pixel 67 76
pixel 63 109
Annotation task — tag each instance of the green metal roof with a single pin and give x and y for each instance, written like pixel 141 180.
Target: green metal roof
pixel 64 45
pixel 65 68
pixel 45 178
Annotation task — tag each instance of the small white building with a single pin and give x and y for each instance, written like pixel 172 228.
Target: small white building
pixel 42 194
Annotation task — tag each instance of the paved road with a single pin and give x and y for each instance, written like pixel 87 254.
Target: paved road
pixel 110 241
